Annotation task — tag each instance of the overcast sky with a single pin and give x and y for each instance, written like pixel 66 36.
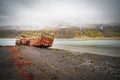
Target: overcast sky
pixel 42 12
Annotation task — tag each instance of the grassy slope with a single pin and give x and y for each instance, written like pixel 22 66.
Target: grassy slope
pixel 64 33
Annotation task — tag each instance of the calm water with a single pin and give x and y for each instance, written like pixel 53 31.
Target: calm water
pixel 7 42
pixel 104 47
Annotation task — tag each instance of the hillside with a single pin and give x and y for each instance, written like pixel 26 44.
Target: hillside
pixel 66 32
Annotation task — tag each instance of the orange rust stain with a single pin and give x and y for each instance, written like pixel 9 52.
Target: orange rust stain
pixel 20 62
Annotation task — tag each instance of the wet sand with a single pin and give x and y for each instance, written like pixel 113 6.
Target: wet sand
pixel 55 64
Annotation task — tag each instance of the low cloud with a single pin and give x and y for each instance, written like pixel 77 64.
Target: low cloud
pixel 46 12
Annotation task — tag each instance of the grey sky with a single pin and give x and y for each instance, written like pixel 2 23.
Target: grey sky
pixel 41 12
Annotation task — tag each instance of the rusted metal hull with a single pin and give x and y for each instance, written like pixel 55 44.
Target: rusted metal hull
pixel 46 40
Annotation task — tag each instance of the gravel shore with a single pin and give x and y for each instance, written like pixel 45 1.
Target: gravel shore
pixel 55 64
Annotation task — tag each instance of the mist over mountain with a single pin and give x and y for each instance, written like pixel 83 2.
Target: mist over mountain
pixel 52 12
pixel 63 30
pixel 58 26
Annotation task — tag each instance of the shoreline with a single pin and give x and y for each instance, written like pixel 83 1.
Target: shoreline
pixel 85 38
pixel 89 38
pixel 61 64
pixel 82 52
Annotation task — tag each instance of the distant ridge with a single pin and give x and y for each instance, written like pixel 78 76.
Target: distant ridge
pixel 63 31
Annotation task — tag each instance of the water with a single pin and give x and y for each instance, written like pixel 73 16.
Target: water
pixel 115 43
pixel 104 47
pixel 7 42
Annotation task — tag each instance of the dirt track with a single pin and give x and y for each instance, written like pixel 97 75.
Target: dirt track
pixel 54 64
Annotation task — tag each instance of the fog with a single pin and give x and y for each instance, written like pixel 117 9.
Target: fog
pixel 52 12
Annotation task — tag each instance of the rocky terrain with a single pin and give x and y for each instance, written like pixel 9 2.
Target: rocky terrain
pixel 34 63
